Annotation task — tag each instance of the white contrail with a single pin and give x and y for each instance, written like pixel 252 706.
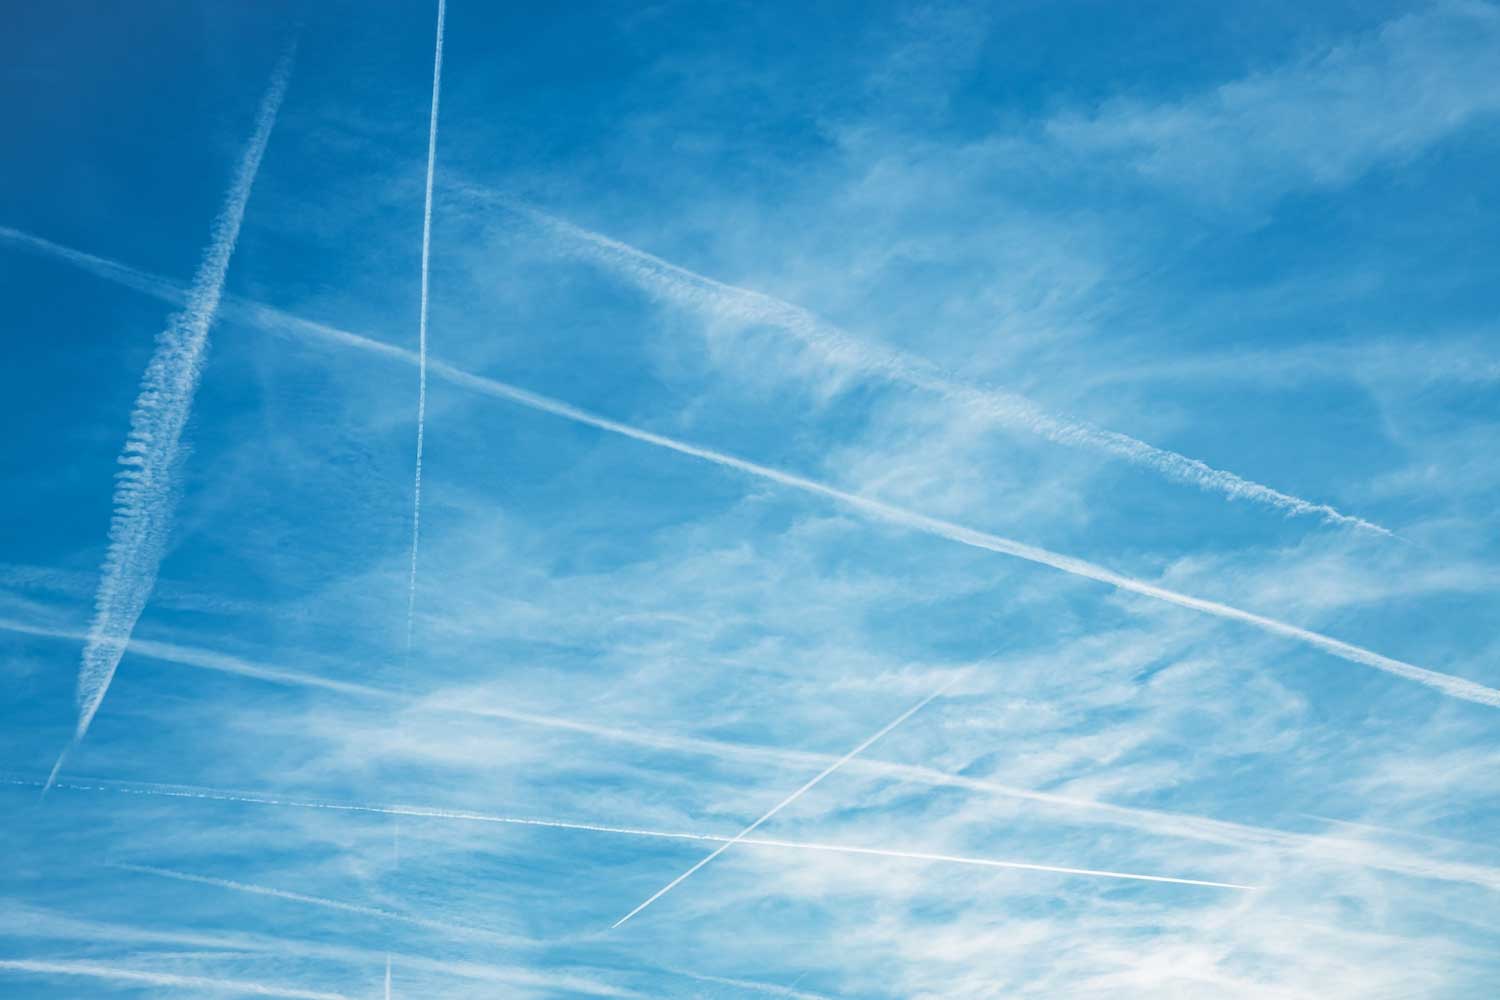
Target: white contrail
pixel 387 976
pixel 416 492
pixel 272 319
pixel 845 352
pixel 328 904
pixel 95 970
pixel 624 831
pixel 145 488
pixel 787 801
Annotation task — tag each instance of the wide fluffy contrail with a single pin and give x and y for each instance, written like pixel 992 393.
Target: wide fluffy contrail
pixel 275 320
pixel 145 488
pixel 95 970
pixel 320 901
pixel 624 831
pixel 787 801
pixel 416 490
pixel 844 352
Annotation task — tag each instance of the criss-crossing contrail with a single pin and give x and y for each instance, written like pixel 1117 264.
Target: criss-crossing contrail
pixel 846 352
pixel 624 831
pixel 145 488
pixel 416 490
pixel 96 970
pixel 275 320
pixel 787 801
pixel 320 901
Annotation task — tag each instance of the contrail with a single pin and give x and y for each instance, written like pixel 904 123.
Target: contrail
pixel 787 801
pixel 145 491
pixel 387 976
pixel 328 904
pixel 624 831
pixel 96 971
pixel 844 351
pixel 271 319
pixel 416 493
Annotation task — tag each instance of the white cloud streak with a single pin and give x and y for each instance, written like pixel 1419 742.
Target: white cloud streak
pixel 94 970
pixel 416 491
pixel 274 320
pixel 845 352
pixel 789 800
pixel 328 904
pixel 145 488
pixel 623 831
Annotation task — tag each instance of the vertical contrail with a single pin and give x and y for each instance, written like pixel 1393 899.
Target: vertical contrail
pixel 416 495
pixel 145 489
pixel 788 800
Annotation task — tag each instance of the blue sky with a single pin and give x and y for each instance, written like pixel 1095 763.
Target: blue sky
pixel 1106 397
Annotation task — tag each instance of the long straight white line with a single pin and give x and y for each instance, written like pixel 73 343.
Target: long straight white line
pixel 96 970
pixel 272 319
pixel 145 487
pixel 416 491
pixel 787 801
pixel 624 831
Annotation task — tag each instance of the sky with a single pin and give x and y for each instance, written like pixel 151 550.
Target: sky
pixel 854 500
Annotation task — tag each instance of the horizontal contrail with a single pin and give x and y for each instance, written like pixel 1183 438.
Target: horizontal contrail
pixel 272 319
pixel 145 491
pixel 788 800
pixel 325 903
pixel 844 351
pixel 95 970
pixel 1157 822
pixel 624 831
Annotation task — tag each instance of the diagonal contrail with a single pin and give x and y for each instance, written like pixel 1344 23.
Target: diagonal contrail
pixel 275 320
pixel 787 801
pixel 416 491
pixel 844 351
pixel 624 831
pixel 95 970
pixel 145 489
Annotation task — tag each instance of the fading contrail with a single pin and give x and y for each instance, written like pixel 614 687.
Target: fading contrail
pixel 273 320
pixel 844 351
pixel 388 976
pixel 624 831
pixel 95 970
pixel 145 489
pixel 327 904
pixel 416 492
pixel 787 801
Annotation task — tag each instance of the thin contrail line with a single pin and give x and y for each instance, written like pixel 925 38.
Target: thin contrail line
pixel 624 831
pixel 95 970
pixel 388 976
pixel 325 903
pixel 416 493
pixel 843 350
pixel 787 801
pixel 273 319
pixel 145 490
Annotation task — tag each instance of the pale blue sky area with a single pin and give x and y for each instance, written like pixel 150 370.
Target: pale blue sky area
pixel 1097 403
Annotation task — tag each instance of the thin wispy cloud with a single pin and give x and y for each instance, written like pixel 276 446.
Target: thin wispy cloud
pixel 803 790
pixel 167 980
pixel 323 902
pixel 843 351
pixel 1455 687
pixel 416 489
pixel 146 487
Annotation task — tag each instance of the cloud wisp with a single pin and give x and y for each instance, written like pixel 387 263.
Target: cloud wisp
pixel 424 812
pixel 145 488
pixel 276 320
pixel 327 904
pixel 416 489
pixel 96 970
pixel 843 351
pixel 788 800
